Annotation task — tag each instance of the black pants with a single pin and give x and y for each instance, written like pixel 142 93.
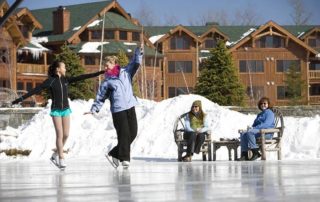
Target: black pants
pixel 125 123
pixel 194 142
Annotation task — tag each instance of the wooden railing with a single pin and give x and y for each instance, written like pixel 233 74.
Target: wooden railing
pixel 314 100
pixel 32 68
pixel 314 74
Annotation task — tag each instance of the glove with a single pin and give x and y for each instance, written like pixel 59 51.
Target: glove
pixel 16 101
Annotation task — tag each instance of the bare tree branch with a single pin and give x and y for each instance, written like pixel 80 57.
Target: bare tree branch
pixel 299 14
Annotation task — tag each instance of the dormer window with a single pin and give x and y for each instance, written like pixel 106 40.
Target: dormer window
pixel 96 34
pixel 123 35
pixel 179 42
pixel 270 42
pixel 109 34
pixel 314 41
pixel 210 43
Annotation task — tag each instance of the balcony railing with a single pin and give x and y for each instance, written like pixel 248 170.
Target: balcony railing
pixel 32 68
pixel 314 99
pixel 314 74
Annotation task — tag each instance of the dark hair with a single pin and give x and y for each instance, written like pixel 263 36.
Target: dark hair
pixel 53 68
pixel 264 99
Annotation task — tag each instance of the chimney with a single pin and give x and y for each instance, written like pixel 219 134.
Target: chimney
pixel 61 20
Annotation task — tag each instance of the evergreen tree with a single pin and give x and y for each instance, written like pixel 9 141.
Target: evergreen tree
pixel 218 79
pixel 82 89
pixel 123 61
pixel 294 85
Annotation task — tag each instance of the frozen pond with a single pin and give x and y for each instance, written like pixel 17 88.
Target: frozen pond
pixel 160 180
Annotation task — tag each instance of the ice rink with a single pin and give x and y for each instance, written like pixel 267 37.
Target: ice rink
pixel 160 180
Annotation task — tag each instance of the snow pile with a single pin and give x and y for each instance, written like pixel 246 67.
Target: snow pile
pixel 95 135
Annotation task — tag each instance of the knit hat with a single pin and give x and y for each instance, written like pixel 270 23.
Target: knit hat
pixel 197 103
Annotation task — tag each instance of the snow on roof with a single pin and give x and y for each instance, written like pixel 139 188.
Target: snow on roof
pixel 129 44
pixel 76 28
pixel 243 36
pixel 300 34
pixel 318 55
pixel 94 23
pixel 204 51
pixel 36 48
pixel 154 39
pixel 91 47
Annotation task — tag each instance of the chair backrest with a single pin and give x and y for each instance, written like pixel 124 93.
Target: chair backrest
pixel 279 123
pixel 179 123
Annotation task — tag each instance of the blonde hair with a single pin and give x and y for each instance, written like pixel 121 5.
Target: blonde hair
pixel 113 59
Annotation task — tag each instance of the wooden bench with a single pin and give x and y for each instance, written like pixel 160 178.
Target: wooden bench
pixel 274 144
pixel 179 129
pixel 231 144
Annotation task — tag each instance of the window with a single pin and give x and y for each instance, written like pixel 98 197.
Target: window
pixel 109 34
pixel 175 91
pixel 314 42
pixel 314 89
pixel 210 43
pixel 180 66
pixel 4 83
pixel 29 86
pixel 284 65
pixel 4 55
pixel 251 66
pixel 179 42
pixel 135 36
pixel 25 31
pixel 123 35
pixel 150 62
pixel 20 85
pixel 270 42
pixel 314 66
pixel 282 93
pixel 89 60
pixel 257 92
pixel 96 34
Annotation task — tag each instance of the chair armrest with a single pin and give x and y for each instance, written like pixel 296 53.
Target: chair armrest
pixel 208 135
pixel 270 130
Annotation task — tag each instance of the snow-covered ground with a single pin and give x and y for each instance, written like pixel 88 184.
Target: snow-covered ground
pixel 95 135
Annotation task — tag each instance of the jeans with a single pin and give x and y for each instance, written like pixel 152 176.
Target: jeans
pixel 248 139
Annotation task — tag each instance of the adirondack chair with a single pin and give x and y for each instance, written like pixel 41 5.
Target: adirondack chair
pixel 179 129
pixel 273 144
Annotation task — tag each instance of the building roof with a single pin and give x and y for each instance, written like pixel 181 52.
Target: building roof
pixel 80 14
pixel 111 48
pixel 233 32
pixel 115 21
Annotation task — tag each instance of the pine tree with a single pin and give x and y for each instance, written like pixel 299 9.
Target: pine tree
pixel 82 89
pixel 123 61
pixel 218 79
pixel 294 85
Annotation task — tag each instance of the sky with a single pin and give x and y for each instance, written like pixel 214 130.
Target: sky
pixel 186 11
pixel 93 136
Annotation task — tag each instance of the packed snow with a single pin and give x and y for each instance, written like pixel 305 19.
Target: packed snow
pixel 93 135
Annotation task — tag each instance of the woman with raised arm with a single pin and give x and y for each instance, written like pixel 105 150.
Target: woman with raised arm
pixel 117 87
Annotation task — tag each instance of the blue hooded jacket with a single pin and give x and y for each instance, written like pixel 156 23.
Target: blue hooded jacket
pixel 264 120
pixel 119 89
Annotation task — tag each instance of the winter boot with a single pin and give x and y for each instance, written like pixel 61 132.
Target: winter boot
pixel 244 156
pixel 255 154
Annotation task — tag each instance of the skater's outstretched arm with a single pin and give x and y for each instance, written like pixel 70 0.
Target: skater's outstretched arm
pixel 100 98
pixel 38 89
pixel 84 76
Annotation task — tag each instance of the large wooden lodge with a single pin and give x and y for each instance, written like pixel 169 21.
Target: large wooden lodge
pixel 173 54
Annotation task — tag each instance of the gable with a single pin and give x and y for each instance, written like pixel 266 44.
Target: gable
pixel 272 29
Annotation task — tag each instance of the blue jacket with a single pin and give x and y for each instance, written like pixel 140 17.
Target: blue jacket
pixel 119 89
pixel 264 120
